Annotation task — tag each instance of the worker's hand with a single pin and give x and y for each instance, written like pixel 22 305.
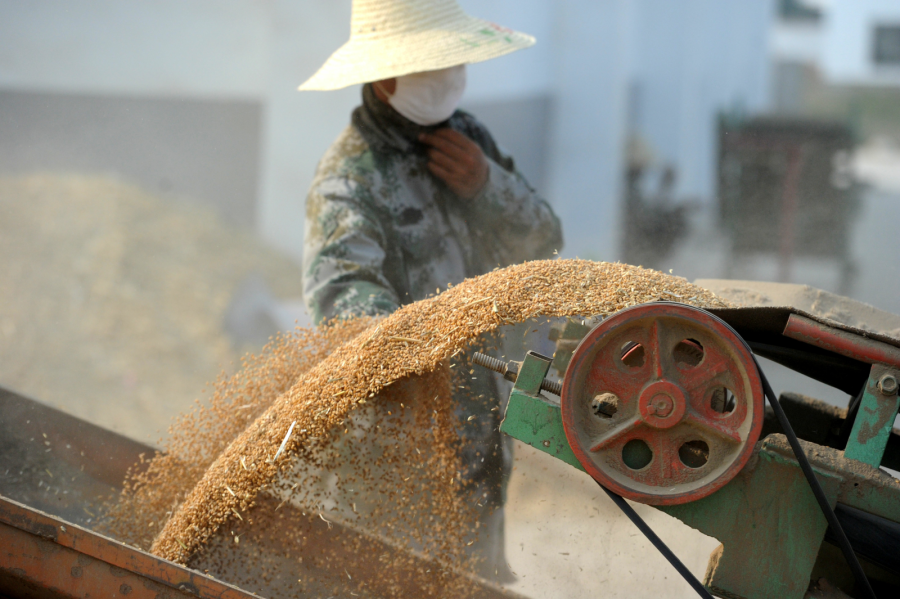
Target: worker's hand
pixel 457 161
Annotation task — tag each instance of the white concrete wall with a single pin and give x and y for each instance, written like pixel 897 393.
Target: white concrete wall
pixel 581 60
pixel 594 43
pixel 690 58
pixel 796 41
pixel 299 125
pixel 218 49
pixel 847 47
pixel 196 48
pixel 525 73
pixel 695 58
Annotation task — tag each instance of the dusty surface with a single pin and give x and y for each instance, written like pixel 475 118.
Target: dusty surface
pixel 817 302
pixel 565 538
pixel 112 300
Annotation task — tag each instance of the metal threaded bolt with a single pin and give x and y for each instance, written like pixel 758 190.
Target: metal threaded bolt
pixel 510 372
pixel 490 363
pixel 888 385
pixel 552 387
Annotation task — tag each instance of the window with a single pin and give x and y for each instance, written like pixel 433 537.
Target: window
pixel 799 11
pixel 887 45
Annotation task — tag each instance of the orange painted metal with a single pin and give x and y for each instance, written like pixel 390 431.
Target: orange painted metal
pixel 45 557
pixel 57 470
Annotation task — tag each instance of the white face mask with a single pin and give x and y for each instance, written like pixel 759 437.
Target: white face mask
pixel 431 97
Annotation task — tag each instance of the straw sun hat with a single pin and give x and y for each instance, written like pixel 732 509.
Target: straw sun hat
pixel 391 38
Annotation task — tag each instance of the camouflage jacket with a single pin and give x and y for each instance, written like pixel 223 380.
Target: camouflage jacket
pixel 382 231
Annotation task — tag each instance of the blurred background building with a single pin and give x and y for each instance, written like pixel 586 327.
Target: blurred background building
pixel 620 116
pixel 198 98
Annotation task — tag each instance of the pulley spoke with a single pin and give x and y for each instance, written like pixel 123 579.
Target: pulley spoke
pixel 714 428
pixel 655 350
pixel 696 380
pixel 665 457
pixel 612 436
pixel 607 377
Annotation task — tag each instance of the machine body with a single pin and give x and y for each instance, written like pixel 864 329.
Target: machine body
pixel 751 495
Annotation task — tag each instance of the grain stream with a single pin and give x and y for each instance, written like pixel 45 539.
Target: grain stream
pixel 402 360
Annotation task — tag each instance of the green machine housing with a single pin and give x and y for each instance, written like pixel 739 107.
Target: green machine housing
pixel 774 538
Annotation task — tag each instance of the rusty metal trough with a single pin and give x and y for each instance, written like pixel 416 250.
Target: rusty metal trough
pixel 56 472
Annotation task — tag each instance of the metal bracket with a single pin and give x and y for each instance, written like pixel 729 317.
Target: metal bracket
pixel 875 418
pixel 880 402
pixel 531 417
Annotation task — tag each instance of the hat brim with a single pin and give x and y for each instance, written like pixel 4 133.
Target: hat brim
pixel 371 58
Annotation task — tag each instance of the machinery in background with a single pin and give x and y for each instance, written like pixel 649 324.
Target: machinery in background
pixel 663 404
pixel 786 190
pixel 655 222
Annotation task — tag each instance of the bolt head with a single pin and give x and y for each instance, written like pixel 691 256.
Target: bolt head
pixel 888 385
pixel 663 405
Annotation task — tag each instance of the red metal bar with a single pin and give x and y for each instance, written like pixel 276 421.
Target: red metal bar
pixel 841 342
pixel 42 556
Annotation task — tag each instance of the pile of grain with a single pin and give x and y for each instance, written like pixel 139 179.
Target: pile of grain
pixel 112 299
pixel 319 407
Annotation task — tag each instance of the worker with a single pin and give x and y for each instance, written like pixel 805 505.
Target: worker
pixel 415 195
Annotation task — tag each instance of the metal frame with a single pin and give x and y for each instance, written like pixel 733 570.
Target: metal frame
pixel 45 557
pixel 772 531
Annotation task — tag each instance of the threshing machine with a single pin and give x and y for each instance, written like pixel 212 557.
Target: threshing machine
pixel 665 404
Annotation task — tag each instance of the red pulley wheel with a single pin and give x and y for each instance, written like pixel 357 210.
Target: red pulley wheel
pixel 662 403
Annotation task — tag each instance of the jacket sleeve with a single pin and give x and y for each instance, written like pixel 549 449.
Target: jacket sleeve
pixel 518 224
pixel 344 253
